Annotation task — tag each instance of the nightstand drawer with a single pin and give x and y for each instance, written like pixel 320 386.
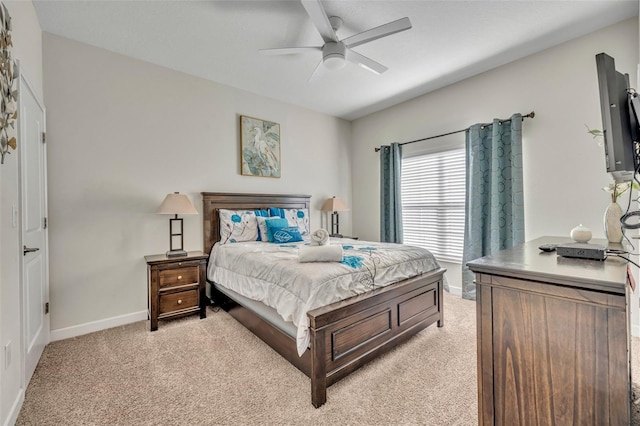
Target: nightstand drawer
pixel 178 276
pixel 177 301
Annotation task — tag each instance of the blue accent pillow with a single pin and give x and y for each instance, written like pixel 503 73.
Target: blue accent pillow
pixel 289 234
pixel 273 224
pixel 276 212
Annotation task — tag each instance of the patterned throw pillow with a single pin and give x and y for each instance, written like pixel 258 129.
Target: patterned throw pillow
pixel 237 225
pixel 290 234
pixel 262 229
pixel 297 217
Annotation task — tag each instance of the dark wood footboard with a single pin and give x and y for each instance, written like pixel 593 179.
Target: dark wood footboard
pixel 347 334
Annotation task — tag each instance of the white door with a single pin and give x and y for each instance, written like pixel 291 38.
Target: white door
pixel 35 276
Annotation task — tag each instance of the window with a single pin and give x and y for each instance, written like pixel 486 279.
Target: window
pixel 433 201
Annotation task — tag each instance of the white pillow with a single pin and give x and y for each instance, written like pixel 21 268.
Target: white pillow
pixel 237 225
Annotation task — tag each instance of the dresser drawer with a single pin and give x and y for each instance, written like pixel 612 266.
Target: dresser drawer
pixel 178 276
pixel 178 301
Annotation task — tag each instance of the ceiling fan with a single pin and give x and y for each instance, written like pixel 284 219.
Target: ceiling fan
pixel 335 51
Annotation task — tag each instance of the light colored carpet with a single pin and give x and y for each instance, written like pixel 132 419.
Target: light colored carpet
pixel 214 371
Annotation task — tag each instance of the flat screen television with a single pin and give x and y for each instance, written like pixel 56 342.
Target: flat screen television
pixel 618 105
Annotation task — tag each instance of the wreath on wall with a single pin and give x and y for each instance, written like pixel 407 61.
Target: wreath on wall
pixel 8 74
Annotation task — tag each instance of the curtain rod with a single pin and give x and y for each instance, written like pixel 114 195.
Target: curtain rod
pixel 530 115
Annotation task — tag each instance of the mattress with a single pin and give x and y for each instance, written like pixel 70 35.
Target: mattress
pixel 272 274
pixel 267 313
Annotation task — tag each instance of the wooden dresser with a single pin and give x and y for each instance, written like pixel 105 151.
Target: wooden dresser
pixel 553 338
pixel 176 286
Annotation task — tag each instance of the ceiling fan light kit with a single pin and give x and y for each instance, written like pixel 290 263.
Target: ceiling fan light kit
pixel 333 55
pixel 335 51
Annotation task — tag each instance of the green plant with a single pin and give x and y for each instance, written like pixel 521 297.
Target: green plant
pixel 616 189
pixel 597 134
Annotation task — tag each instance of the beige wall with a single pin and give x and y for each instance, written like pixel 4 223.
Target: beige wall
pixel 27 49
pixel 121 135
pixel 564 169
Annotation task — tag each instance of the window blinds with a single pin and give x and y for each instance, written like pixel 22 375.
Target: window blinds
pixel 433 201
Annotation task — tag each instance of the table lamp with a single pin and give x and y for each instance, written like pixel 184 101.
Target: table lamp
pixel 176 204
pixel 334 205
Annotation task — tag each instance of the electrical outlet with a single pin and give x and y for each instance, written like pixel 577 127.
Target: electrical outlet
pixel 7 355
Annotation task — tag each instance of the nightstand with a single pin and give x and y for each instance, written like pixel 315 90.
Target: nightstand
pixel 176 286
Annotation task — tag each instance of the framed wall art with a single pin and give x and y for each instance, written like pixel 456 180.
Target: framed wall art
pixel 259 147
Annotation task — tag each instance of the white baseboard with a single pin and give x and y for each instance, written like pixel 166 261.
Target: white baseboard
pixel 635 330
pixel 12 418
pixel 455 290
pixel 90 327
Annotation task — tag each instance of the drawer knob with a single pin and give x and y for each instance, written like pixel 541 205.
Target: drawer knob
pixel 179 277
pixel 179 263
pixel 179 301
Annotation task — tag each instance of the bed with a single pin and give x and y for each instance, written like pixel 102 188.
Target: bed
pixel 343 335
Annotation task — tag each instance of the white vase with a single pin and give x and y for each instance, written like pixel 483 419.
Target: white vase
pixel 612 226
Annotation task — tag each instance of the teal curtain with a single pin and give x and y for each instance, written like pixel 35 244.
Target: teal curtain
pixel 390 202
pixel 494 214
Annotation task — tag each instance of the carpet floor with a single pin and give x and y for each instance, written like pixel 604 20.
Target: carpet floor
pixel 214 371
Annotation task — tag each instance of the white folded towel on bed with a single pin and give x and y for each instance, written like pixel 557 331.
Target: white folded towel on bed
pixel 328 253
pixel 320 237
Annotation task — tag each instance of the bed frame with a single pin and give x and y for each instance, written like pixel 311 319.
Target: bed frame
pixel 344 335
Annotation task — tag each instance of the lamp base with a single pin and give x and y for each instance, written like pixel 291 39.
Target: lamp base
pixel 336 235
pixel 176 253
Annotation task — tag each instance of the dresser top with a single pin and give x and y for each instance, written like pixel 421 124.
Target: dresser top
pixel 526 261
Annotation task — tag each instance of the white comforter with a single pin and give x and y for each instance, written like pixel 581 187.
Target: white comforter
pixel 271 273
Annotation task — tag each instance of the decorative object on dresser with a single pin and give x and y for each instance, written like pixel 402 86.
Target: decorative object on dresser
pixel 553 337
pixel 176 204
pixel 613 212
pixel 334 205
pixel 581 234
pixel 259 147
pixel 176 286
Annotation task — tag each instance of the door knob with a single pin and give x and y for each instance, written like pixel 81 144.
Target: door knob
pixel 26 250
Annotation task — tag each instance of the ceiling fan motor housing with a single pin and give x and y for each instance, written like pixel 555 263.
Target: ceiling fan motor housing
pixel 333 54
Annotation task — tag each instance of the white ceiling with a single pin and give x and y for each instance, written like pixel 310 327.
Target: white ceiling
pixel 219 41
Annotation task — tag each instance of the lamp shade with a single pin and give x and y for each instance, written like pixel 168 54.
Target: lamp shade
pixel 177 203
pixel 334 204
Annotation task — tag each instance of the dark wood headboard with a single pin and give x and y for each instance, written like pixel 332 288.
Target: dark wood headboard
pixel 213 201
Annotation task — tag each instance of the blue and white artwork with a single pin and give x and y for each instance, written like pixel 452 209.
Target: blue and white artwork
pixel 260 146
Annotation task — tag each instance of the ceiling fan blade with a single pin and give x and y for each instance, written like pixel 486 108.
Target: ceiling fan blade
pixel 320 20
pixel 317 73
pixel 389 28
pixel 366 63
pixel 290 50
